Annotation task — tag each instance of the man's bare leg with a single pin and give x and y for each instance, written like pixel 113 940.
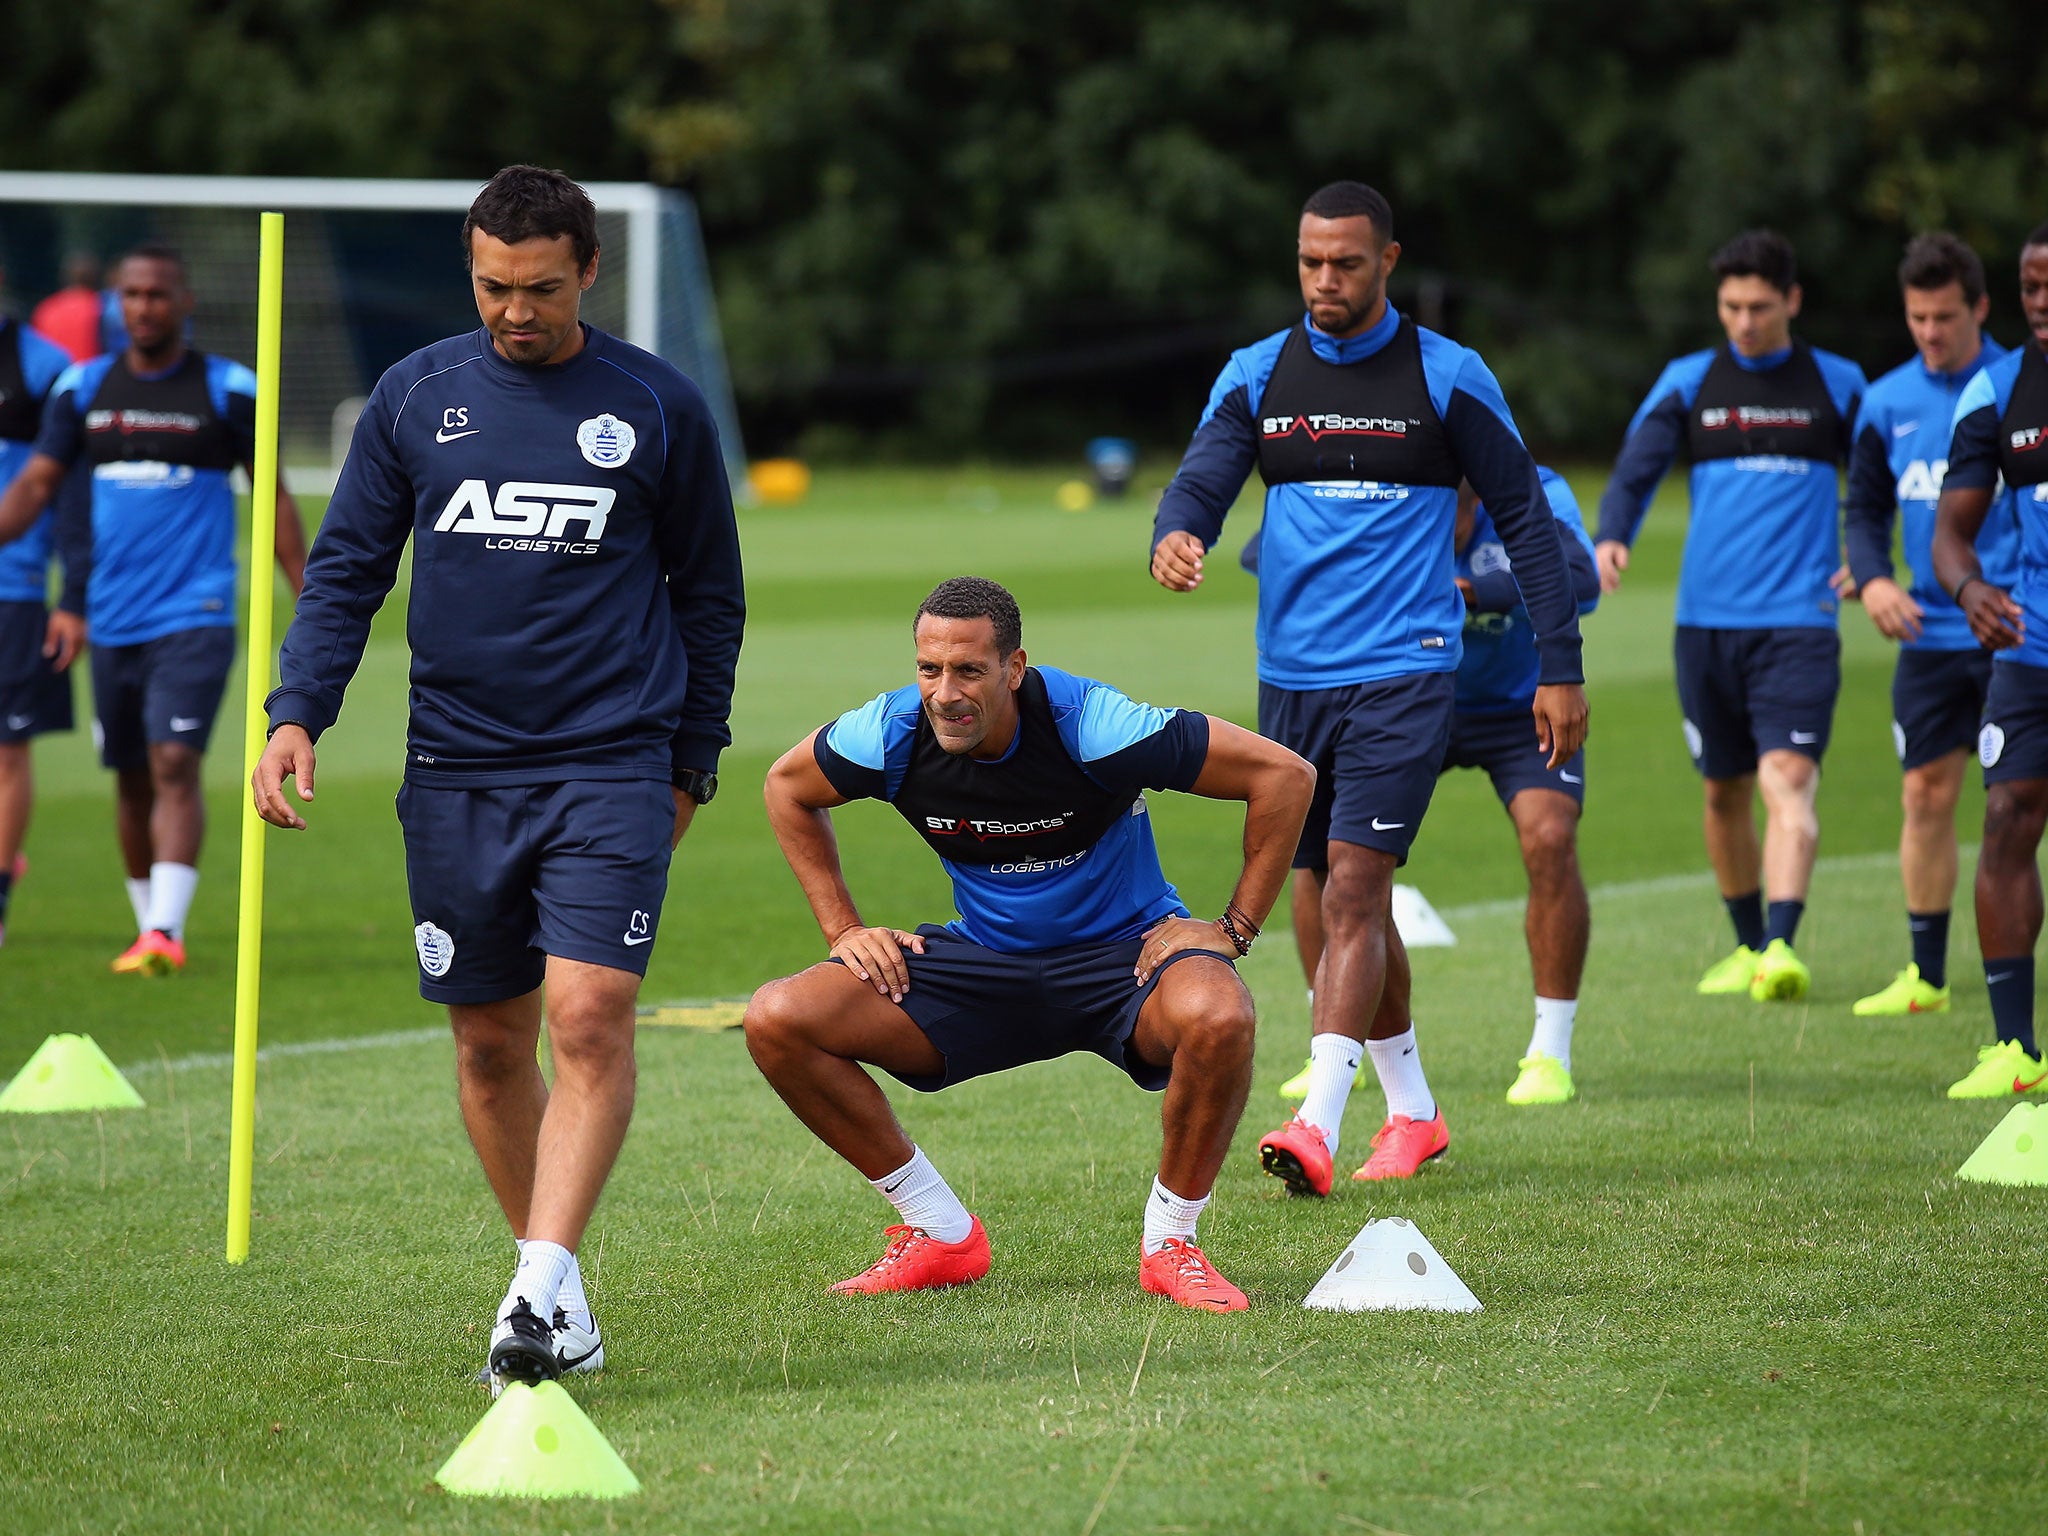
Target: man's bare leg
pixel 1929 860
pixel 1558 926
pixel 503 1095
pixel 1198 1022
pixel 17 797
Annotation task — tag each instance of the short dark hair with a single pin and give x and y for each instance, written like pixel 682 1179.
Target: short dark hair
pixel 526 202
pixel 1938 258
pixel 156 250
pixel 1760 253
pixel 976 597
pixel 2038 237
pixel 1352 200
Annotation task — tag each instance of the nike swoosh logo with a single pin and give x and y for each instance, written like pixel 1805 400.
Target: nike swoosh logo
pixel 1805 738
pixel 2020 1087
pixel 20 722
pixel 1994 980
pixel 645 938
pixel 1906 429
pixel 569 1363
pixel 449 437
pixel 186 722
pixel 1569 778
pixel 1386 826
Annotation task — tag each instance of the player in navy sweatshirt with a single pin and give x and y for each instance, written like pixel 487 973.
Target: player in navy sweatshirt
pixel 575 621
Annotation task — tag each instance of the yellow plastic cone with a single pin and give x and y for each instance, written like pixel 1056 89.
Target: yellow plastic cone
pixel 2016 1152
pixel 68 1072
pixel 535 1443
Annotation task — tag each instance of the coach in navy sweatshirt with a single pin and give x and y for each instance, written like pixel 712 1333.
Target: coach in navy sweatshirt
pixel 575 621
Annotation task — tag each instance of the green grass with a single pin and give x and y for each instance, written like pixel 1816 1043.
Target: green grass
pixel 1733 1287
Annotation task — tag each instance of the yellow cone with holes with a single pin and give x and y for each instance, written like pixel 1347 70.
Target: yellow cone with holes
pixel 535 1443
pixel 2016 1152
pixel 68 1072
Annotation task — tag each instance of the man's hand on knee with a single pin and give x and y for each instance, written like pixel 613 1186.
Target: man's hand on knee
pixel 875 955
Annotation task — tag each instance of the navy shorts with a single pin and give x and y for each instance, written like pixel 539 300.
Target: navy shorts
pixel 1505 747
pixel 503 878
pixel 1746 692
pixel 34 696
pixel 986 1011
pixel 167 689
pixel 2013 743
pixel 1376 748
pixel 1937 703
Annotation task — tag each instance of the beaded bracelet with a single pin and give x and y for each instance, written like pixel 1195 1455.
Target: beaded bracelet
pixel 1238 941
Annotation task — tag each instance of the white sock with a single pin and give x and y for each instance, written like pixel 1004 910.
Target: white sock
pixel 1401 1079
pixel 538 1279
pixel 1333 1062
pixel 1553 1034
pixel 570 1297
pixel 138 898
pixel 925 1200
pixel 170 897
pixel 1168 1215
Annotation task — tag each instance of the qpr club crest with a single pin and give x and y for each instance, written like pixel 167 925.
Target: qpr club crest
pixel 437 949
pixel 606 441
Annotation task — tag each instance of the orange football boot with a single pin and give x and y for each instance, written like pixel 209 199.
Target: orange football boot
pixel 917 1261
pixel 1404 1145
pixel 154 953
pixel 1298 1155
pixel 1182 1272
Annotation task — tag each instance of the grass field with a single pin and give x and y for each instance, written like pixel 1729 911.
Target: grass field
pixel 1733 1287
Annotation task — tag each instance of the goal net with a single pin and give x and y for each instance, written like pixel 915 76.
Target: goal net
pixel 373 271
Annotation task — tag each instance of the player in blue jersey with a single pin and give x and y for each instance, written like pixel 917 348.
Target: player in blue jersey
pixel 37 646
pixel 1764 419
pixel 575 621
pixel 1029 784
pixel 2001 433
pixel 1362 425
pixel 1897 461
pixel 156 429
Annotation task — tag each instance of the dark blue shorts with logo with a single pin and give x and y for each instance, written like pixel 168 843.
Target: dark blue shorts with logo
pixel 1746 692
pixel 2013 741
pixel 167 689
pixel 1376 748
pixel 503 878
pixel 1504 746
pixel 1937 703
pixel 986 1011
pixel 34 696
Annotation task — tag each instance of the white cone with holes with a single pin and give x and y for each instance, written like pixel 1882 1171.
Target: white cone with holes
pixel 1419 924
pixel 1391 1267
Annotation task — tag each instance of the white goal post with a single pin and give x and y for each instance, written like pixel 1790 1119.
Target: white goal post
pixel 654 288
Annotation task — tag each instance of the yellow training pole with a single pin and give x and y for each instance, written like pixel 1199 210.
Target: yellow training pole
pixel 262 582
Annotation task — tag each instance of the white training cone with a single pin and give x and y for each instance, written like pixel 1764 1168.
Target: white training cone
pixel 1391 1267
pixel 1418 922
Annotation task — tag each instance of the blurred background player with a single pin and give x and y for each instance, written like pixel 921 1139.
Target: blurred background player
pixel 75 316
pixel 1029 784
pixel 2001 429
pixel 37 646
pixel 1898 458
pixel 157 428
pixel 1496 685
pixel 1764 420
pixel 574 532
pixel 1362 425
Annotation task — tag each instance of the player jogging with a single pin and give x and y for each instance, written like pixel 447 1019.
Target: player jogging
pixel 575 620
pixel 157 427
pixel 1496 685
pixel 1362 425
pixel 36 646
pixel 1029 784
pixel 1764 419
pixel 2001 429
pixel 1898 459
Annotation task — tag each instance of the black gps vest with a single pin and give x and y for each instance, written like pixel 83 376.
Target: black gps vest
pixel 21 413
pixel 2023 429
pixel 1037 803
pixel 1368 420
pixel 168 420
pixel 1784 412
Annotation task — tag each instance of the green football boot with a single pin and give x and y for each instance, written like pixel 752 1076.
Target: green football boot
pixel 1730 975
pixel 1906 994
pixel 2002 1070
pixel 1544 1080
pixel 1781 976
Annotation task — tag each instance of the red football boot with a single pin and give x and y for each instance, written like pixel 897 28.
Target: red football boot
pixel 1404 1145
pixel 917 1261
pixel 1182 1272
pixel 1298 1156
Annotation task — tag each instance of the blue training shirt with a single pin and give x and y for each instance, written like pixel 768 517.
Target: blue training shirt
pixel 1899 459
pixel 160 449
pixel 1763 540
pixel 25 563
pixel 1021 882
pixel 1501 668
pixel 1355 580
pixel 1974 464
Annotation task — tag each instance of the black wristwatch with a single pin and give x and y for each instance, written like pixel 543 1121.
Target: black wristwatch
pixel 697 784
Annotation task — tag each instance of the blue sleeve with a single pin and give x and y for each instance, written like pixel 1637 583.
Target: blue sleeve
pixel 42 363
pixel 852 752
pixel 73 505
pixel 1497 591
pixel 63 416
pixel 233 388
pixel 700 549
pixel 1213 470
pixel 1572 536
pixel 1847 384
pixel 1871 501
pixel 1121 743
pixel 1490 451
pixel 1973 445
pixel 348 575
pixel 1652 443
